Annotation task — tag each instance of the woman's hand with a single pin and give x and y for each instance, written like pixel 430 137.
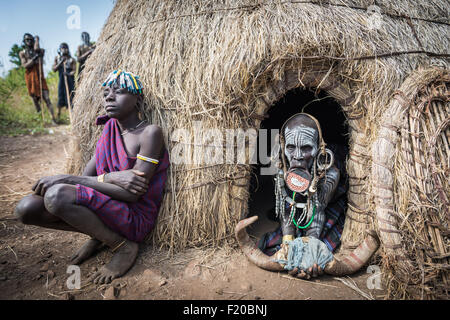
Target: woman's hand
pixel 133 181
pixel 43 184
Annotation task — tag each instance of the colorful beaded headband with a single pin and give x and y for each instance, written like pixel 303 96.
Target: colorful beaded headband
pixel 124 80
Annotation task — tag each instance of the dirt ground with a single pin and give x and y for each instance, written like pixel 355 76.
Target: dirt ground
pixel 34 261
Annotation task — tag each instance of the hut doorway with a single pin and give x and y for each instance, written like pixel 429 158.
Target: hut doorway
pixel 335 132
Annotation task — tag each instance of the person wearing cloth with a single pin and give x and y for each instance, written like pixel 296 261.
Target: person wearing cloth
pixel 32 57
pixel 84 51
pixel 65 65
pixel 117 198
pixel 310 193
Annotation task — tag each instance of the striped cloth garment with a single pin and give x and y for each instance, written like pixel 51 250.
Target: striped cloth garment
pixel 134 221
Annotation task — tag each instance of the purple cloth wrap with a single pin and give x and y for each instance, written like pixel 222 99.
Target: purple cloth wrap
pixel 134 221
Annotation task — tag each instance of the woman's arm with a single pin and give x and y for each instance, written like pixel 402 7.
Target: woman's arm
pixel 131 180
pixel 90 170
pixel 88 179
pixel 151 144
pixel 136 180
pixel 114 191
pixel 109 189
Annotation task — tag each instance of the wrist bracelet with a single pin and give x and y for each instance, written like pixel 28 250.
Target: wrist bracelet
pixel 101 178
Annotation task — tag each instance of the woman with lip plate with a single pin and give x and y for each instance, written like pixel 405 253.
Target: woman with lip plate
pixel 117 198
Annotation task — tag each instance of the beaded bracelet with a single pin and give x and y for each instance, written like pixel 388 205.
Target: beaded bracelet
pixel 147 159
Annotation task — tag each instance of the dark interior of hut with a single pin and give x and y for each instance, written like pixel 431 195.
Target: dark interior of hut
pixel 335 132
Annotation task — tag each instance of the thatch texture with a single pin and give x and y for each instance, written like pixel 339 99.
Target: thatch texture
pixel 410 168
pixel 225 63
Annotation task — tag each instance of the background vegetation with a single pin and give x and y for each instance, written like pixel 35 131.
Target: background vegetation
pixel 18 115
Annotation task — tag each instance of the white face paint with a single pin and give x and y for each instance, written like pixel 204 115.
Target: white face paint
pixel 301 145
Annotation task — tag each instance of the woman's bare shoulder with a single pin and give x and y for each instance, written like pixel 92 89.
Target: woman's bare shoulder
pixel 152 133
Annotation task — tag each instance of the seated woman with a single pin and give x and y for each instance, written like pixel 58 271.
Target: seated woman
pixel 116 200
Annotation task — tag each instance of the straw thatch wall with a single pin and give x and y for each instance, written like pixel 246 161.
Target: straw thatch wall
pixel 410 167
pixel 225 63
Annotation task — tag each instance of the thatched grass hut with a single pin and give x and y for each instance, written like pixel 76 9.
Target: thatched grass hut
pixel 229 64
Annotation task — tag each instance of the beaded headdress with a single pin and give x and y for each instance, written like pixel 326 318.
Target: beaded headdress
pixel 125 80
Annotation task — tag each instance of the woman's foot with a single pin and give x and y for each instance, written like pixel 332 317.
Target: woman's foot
pixel 120 263
pixel 86 251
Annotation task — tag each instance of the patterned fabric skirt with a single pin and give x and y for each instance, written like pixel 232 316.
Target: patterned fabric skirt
pixel 121 217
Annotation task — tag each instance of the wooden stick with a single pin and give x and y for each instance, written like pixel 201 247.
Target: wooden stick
pixel 67 93
pixel 41 98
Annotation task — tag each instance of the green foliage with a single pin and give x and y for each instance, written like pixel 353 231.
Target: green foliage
pixel 20 121
pixel 14 55
pixel 17 112
pixel 14 81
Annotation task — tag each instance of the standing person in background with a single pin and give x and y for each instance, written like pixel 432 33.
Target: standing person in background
pixel 32 58
pixel 65 65
pixel 83 52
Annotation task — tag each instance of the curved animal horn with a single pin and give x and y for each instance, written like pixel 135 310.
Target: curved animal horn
pixel 249 248
pixel 338 267
pixel 353 261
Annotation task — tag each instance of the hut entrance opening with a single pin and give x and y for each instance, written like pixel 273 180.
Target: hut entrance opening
pixel 335 132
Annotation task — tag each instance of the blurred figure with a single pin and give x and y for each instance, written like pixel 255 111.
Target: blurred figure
pixel 32 58
pixel 84 51
pixel 65 65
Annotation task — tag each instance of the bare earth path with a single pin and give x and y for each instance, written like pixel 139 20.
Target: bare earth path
pixel 34 261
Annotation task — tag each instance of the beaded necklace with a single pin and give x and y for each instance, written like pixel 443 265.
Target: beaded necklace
pixel 303 215
pixel 132 129
pixel 282 197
